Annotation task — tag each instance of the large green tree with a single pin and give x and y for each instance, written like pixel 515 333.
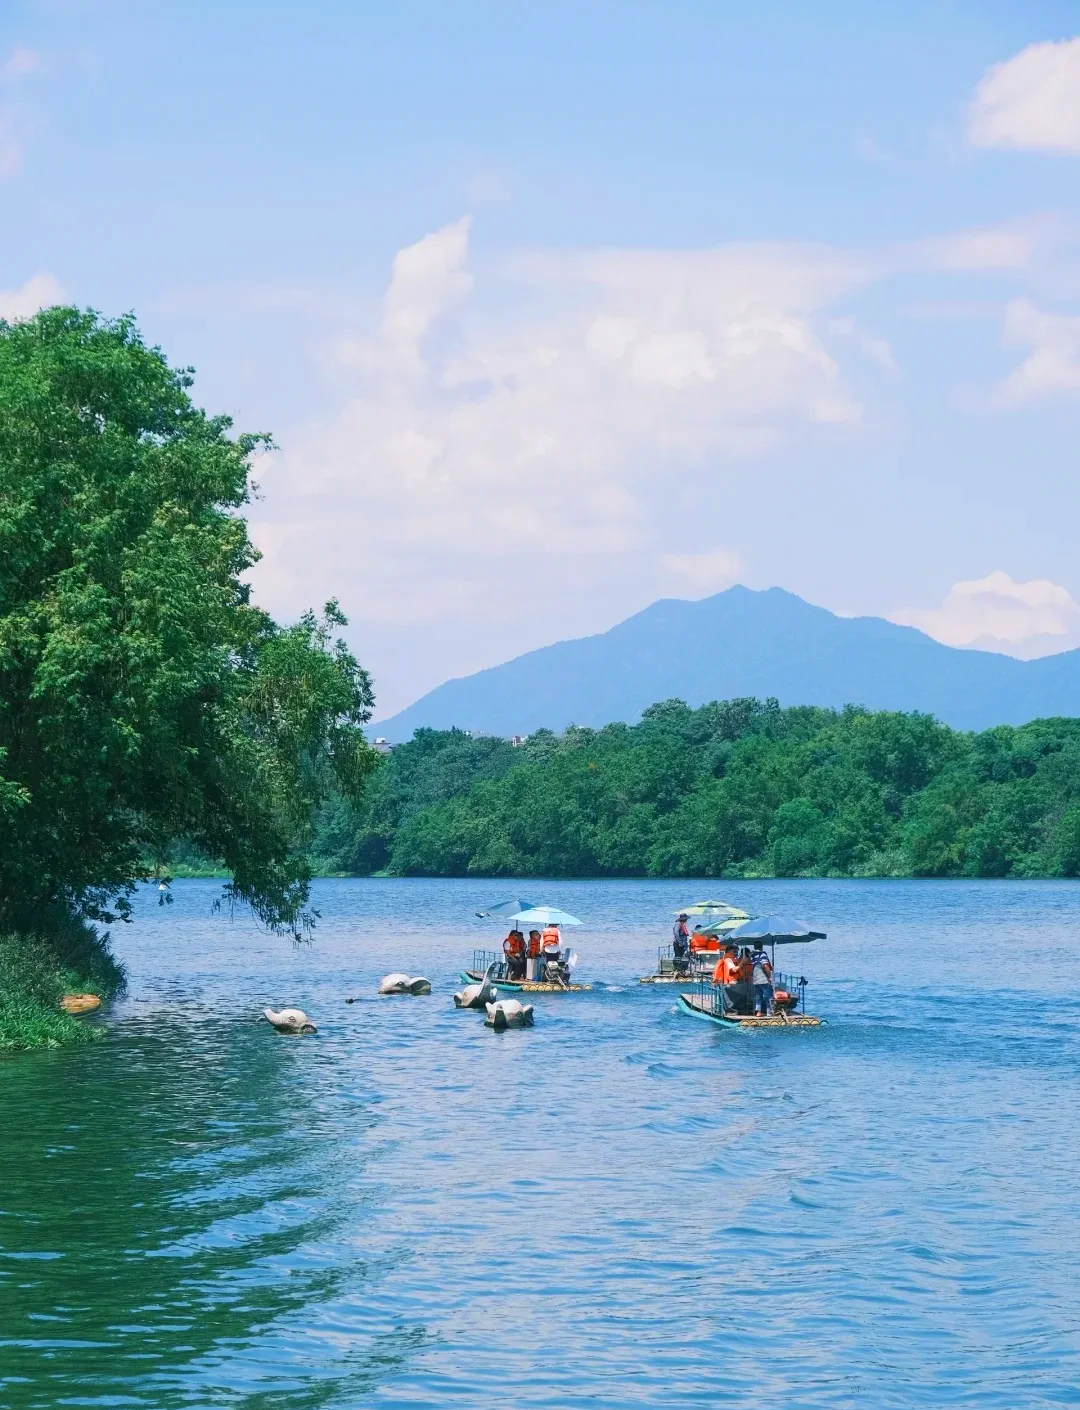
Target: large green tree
pixel 143 696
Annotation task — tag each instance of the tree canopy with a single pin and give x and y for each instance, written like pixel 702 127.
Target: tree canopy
pixel 735 788
pixel 143 696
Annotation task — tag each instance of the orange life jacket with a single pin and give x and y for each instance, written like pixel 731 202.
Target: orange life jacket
pixel 534 946
pixel 703 944
pixel 727 971
pixel 514 945
pixel 550 942
pixel 745 970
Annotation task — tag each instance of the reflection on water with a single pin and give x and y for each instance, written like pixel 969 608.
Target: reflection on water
pixel 617 1207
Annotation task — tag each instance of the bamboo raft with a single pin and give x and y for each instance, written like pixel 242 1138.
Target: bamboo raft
pixel 705 1006
pixel 524 986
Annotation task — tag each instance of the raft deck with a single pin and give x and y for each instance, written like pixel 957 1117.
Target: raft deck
pixel 708 1006
pixel 524 986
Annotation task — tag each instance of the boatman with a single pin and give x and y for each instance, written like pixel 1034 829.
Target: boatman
pixel 680 944
pixel 552 952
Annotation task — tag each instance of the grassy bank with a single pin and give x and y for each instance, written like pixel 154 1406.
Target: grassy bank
pixel 37 969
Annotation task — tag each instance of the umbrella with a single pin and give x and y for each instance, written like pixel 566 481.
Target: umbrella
pixel 505 909
pixel 722 927
pixel 777 930
pixel 545 915
pixel 712 908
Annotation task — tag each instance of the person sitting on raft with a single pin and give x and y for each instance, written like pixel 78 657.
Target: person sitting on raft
pixel 680 944
pixel 706 943
pixel 762 978
pixel 736 994
pixel 514 950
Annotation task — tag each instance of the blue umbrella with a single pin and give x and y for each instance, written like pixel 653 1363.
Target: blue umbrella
pixel 776 930
pixel 506 909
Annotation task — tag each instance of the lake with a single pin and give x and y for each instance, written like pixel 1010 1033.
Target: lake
pixel 619 1207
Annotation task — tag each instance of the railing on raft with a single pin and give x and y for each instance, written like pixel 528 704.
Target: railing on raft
pixel 482 958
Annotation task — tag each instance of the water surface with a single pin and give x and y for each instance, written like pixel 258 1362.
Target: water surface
pixel 619 1207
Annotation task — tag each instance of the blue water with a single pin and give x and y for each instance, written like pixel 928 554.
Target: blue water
pixel 619 1207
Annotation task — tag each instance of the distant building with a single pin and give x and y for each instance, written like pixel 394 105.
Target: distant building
pixel 517 740
pixel 382 746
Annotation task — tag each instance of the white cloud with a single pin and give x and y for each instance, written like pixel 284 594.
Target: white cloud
pixel 997 614
pixel 428 279
pixel 522 445
pixel 21 62
pixel 570 393
pixel 1031 101
pixel 37 293
pixel 1014 245
pixel 705 572
pixel 1052 366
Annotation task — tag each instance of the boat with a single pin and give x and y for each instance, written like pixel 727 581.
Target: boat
pixel 713 919
pixel 525 916
pixel 482 959
pixel 708 1001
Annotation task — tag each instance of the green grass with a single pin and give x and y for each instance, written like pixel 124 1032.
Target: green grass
pixel 62 956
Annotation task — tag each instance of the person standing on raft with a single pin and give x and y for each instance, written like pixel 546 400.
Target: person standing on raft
pixel 762 979
pixel 680 944
pixel 551 949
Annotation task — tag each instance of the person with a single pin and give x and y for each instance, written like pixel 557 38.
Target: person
pixel 514 950
pixel 726 974
pixel 762 980
pixel 534 954
pixel 680 944
pixel 550 943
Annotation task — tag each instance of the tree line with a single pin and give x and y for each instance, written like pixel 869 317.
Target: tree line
pixel 737 788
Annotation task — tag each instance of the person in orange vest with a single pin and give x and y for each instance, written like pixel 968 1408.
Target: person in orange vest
pixel 514 950
pixel 551 942
pixel 726 974
pixel 534 954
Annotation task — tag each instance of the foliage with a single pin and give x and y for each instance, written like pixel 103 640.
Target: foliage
pixel 735 788
pixel 65 955
pixel 143 697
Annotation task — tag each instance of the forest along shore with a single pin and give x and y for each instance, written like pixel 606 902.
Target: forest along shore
pixel 738 788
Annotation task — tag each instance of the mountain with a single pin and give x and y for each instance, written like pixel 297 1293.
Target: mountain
pixel 741 643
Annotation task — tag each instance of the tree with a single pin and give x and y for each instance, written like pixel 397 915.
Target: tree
pixel 143 697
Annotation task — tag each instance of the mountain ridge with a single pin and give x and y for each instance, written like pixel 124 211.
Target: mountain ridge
pixel 745 642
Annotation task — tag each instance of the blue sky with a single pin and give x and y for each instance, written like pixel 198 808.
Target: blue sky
pixel 554 310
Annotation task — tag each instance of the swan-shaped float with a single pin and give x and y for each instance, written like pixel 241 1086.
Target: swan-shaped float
pixel 509 1013
pixel 402 984
pixel 477 996
pixel 289 1020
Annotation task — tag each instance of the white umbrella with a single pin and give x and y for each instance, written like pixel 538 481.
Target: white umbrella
pixel 545 915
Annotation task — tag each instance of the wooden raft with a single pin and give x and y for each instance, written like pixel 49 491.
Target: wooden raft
pixel 528 986
pixel 700 1009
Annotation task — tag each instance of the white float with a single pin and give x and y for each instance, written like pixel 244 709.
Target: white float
pixel 402 984
pixel 509 1013
pixel 289 1021
pixel 477 996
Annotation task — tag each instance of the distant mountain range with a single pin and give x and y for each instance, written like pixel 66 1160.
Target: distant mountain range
pixel 742 643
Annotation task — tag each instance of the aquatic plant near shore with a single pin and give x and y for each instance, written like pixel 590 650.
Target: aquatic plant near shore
pixel 37 969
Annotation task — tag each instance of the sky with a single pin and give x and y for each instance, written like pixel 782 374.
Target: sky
pixel 554 310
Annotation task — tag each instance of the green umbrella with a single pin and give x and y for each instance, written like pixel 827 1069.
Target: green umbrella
pixel 713 908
